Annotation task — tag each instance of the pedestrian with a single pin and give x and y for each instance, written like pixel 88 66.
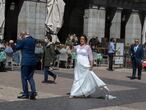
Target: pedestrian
pixel 26 43
pixel 111 52
pixel 137 55
pixel 86 83
pixel 49 57
pixel 39 51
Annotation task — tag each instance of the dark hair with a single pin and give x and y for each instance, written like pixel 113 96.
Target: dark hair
pixel 86 39
pixel 112 40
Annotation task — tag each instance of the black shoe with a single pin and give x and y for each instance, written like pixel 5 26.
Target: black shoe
pixel 68 93
pixel 23 97
pixel 133 78
pixel 110 69
pixel 55 77
pixel 45 81
pixel 33 96
pixel 139 78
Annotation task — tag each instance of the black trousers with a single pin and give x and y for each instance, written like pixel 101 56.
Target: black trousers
pixel 27 72
pixel 111 55
pixel 136 66
pixel 2 66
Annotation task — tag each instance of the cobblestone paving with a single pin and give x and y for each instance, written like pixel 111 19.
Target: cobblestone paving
pixel 10 94
pixel 131 94
pixel 115 108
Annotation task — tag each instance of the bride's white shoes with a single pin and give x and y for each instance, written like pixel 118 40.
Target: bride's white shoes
pixel 71 97
pixel 110 97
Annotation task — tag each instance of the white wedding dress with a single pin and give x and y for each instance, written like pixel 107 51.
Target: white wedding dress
pixel 86 82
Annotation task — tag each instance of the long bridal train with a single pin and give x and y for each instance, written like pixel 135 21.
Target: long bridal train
pixel 87 83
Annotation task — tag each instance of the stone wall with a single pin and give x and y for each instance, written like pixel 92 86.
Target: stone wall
pixel 32 18
pixel 115 29
pixel 133 29
pixel 2 10
pixel 94 23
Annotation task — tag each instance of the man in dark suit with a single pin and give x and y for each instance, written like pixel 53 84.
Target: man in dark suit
pixel 26 44
pixel 137 55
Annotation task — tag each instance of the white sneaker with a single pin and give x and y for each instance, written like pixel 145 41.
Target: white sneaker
pixel 71 97
pixel 50 68
pixel 110 97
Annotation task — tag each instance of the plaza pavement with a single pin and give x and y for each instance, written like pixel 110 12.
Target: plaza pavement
pixel 131 94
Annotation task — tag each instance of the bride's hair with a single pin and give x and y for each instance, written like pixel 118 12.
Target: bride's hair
pixel 86 39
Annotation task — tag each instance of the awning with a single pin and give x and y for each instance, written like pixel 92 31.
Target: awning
pixel 54 19
pixel 144 32
pixel 2 11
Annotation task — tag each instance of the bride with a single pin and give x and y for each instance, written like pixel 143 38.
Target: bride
pixel 86 83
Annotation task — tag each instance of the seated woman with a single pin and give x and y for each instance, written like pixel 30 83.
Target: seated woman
pixel 2 59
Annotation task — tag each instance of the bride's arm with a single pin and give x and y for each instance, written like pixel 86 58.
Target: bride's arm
pixel 90 56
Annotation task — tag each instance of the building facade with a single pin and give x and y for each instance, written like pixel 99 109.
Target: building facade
pixel 32 18
pixel 122 19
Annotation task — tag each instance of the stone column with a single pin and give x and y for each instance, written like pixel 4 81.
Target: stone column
pixel 101 23
pixel 133 28
pixel 94 22
pixel 32 19
pixel 2 17
pixel 90 22
pixel 116 25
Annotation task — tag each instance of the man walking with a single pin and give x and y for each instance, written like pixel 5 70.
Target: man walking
pixel 137 55
pixel 49 57
pixel 111 52
pixel 26 44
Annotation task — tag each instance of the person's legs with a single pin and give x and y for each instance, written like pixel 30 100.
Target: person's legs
pixel 32 82
pixel 110 61
pixel 139 71
pixel 52 74
pixel 2 66
pixel 46 74
pixel 134 66
pixel 24 71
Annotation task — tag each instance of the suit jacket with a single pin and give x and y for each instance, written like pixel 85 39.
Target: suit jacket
pixel 27 47
pixel 137 55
